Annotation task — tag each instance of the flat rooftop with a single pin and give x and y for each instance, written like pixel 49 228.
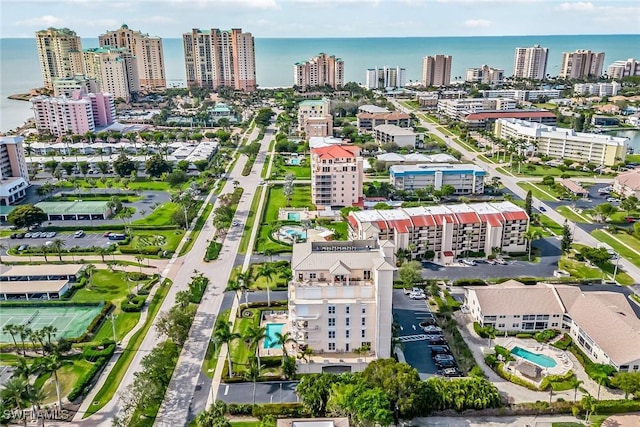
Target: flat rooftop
pixel 21 287
pixel 41 270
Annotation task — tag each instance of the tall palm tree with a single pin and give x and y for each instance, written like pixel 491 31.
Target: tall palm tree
pixel 531 234
pixel 36 397
pixel 244 281
pixel 283 340
pixel 223 335
pixel 12 330
pixel 51 364
pixel 575 384
pixel 267 270
pixel 15 395
pixel 49 331
pixel 23 332
pixel 58 244
pixel 36 338
pixel 102 251
pixel 88 271
pixel 253 335
pixel 253 374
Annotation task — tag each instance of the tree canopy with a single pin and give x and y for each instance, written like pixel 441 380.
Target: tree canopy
pixel 26 216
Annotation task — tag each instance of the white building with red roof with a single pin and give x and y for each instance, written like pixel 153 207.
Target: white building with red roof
pixel 337 174
pixel 446 230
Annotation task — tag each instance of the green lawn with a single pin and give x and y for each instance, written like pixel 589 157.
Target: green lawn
pixel 340 228
pixel 160 215
pixel 68 376
pixel 106 286
pixel 572 215
pixel 240 351
pixel 245 423
pixel 138 184
pixel 620 216
pixel 265 166
pixel 547 223
pixel 579 269
pixel 279 169
pixel 196 229
pixel 539 191
pixel 167 240
pixel 124 323
pixel 627 253
pixel 106 393
pixel 251 217
pixel 264 242
pixel 633 158
pixel 544 170
pixel 211 358
pixel 275 200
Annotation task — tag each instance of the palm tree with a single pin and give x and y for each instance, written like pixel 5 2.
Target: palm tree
pixel 253 335
pixel 267 270
pixel 530 235
pixel 88 271
pixel 12 330
pixel 36 397
pixel 23 332
pixel 58 244
pixel 244 279
pixel 52 364
pixel 14 393
pixel 102 251
pixel 305 355
pixel 140 259
pixel 48 331
pixel 253 374
pixel 223 335
pixel 575 384
pixel 283 340
pixel 3 247
pixel 36 338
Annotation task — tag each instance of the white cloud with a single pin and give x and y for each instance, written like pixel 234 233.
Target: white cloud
pixel 42 21
pixel 576 6
pixel 477 23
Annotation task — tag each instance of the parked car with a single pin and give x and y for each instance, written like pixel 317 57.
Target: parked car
pixel 35 234
pixel 631 220
pixel 51 234
pixel 107 234
pixel 450 372
pixel 13 235
pixel 79 233
pixel 117 236
pixel 20 236
pixel 446 363
pixel 469 262
pixel 491 262
pixel 612 200
pixel 27 235
pixel 22 247
pixel 436 340
pixel 501 261
pixel 417 295
pixel 433 330
pixel 440 349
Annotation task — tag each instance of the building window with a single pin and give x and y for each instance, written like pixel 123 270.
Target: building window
pixel 515 325
pixel 346 333
pixel 332 309
pixel 364 310
pixel 332 335
pixel 554 325
pixel 312 275
pixel 347 309
pixel 332 346
pixel 363 333
pixel 347 321
pixel 364 321
pixel 332 321
pixel 500 325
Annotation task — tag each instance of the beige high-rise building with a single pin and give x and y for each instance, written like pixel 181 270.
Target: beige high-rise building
pixel 147 51
pixel 59 53
pixel 530 62
pixel 581 64
pixel 320 70
pixel 115 69
pixel 337 175
pixel 436 70
pixel 216 58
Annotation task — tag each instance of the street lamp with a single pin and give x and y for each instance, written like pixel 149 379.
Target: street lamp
pixel 615 270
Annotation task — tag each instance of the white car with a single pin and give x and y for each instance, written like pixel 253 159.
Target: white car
pixel 469 262
pixel 416 295
pixel 501 261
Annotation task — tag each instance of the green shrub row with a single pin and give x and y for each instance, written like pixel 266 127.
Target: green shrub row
pixel 544 384
pixel 279 410
pixel 145 250
pixel 82 386
pixel 134 304
pixel 546 335
pixel 213 250
pixel 563 343
pixel 469 282
pixel 604 407
pixel 47 303
pixel 502 351
pixel 499 369
pixel 524 335
pixel 95 323
pixel 93 352
pixel 593 370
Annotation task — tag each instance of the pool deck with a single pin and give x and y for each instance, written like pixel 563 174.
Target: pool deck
pixel 279 317
pixel 563 362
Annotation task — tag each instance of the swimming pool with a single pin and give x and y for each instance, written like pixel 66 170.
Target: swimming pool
pixel 293 216
pixel 271 341
pixel 291 232
pixel 535 358
pixel 294 162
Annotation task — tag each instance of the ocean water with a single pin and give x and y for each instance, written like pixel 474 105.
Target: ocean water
pixel 20 71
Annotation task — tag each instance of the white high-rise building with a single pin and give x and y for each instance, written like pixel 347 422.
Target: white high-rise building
pixel 60 54
pixel 337 175
pixel 14 175
pixel 115 69
pixel 530 62
pixel 385 77
pixel 340 302
pixel 485 75
pixel 581 64
pixel 146 49
pixel 436 70
pixel 620 69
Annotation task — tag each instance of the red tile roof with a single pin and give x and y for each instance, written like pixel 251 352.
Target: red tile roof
pixel 468 217
pixel 515 216
pixel 352 220
pixel 401 225
pixel 423 221
pixel 336 151
pixel 494 219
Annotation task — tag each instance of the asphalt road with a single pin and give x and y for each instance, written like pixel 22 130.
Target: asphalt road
pixel 409 313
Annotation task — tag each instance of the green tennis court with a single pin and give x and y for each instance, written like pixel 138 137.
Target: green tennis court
pixel 71 321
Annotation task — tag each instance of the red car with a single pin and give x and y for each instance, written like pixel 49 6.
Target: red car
pixel 107 234
pixel 631 220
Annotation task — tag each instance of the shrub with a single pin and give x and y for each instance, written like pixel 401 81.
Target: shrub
pixel 469 282
pixel 283 410
pixel 513 378
pixel 617 406
pixel 504 352
pixel 563 343
pixel 133 304
pixel 546 335
pixel 137 276
pixel 524 335
pixel 82 386
pixel 239 408
pixel 213 251
pixel 479 330
pixel 93 352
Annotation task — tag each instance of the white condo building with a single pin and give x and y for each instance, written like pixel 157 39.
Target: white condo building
pixel 561 143
pixel 115 69
pixel 530 62
pixel 485 75
pixel 337 174
pixel 601 323
pixel 459 108
pixel 620 69
pixel 392 134
pixel 340 302
pixel 320 70
pixel 597 89
pixel 14 175
pixel 522 95
pixel 314 118
pixel 386 77
pixel 446 231
pixel 465 178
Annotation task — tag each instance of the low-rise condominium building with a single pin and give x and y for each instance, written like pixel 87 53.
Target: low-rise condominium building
pixel 620 69
pixel 485 75
pixel 465 178
pixel 597 89
pixel 340 302
pixel 392 134
pixel 601 323
pixel 314 118
pixel 369 118
pixel 445 231
pixel 459 108
pixel 561 143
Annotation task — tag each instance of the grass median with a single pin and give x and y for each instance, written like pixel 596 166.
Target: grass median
pixel 631 254
pixel 248 226
pixel 108 390
pixel 197 229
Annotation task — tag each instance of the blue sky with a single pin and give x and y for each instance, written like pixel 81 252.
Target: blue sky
pixel 326 18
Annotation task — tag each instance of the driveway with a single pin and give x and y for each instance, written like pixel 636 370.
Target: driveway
pixel 409 313
pixel 89 240
pixel 550 250
pixel 266 392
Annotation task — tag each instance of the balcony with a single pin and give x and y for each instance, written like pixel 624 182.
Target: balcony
pixel 356 281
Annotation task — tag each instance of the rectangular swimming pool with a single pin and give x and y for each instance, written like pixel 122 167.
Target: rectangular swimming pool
pixel 271 341
pixel 293 216
pixel 535 358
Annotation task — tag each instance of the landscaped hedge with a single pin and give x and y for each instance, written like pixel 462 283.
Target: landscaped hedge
pixel 544 384
pixel 546 335
pixel 616 406
pixel 82 386
pixel 48 303
pixel 593 370
pixel 93 352
pixel 279 410
pixel 469 282
pixel 563 343
pixel 95 323
pixel 145 250
pixel 239 408
pixel 504 352
pixel 499 369
pixel 133 304
pixel 523 280
pixel 524 335
pixel 213 251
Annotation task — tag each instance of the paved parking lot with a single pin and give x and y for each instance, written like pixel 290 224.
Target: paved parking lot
pixel 409 313
pixel 550 249
pixel 89 239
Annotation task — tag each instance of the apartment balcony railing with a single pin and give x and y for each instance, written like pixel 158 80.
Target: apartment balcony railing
pixel 332 282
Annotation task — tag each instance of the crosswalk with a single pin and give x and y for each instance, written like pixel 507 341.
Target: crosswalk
pixel 412 338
